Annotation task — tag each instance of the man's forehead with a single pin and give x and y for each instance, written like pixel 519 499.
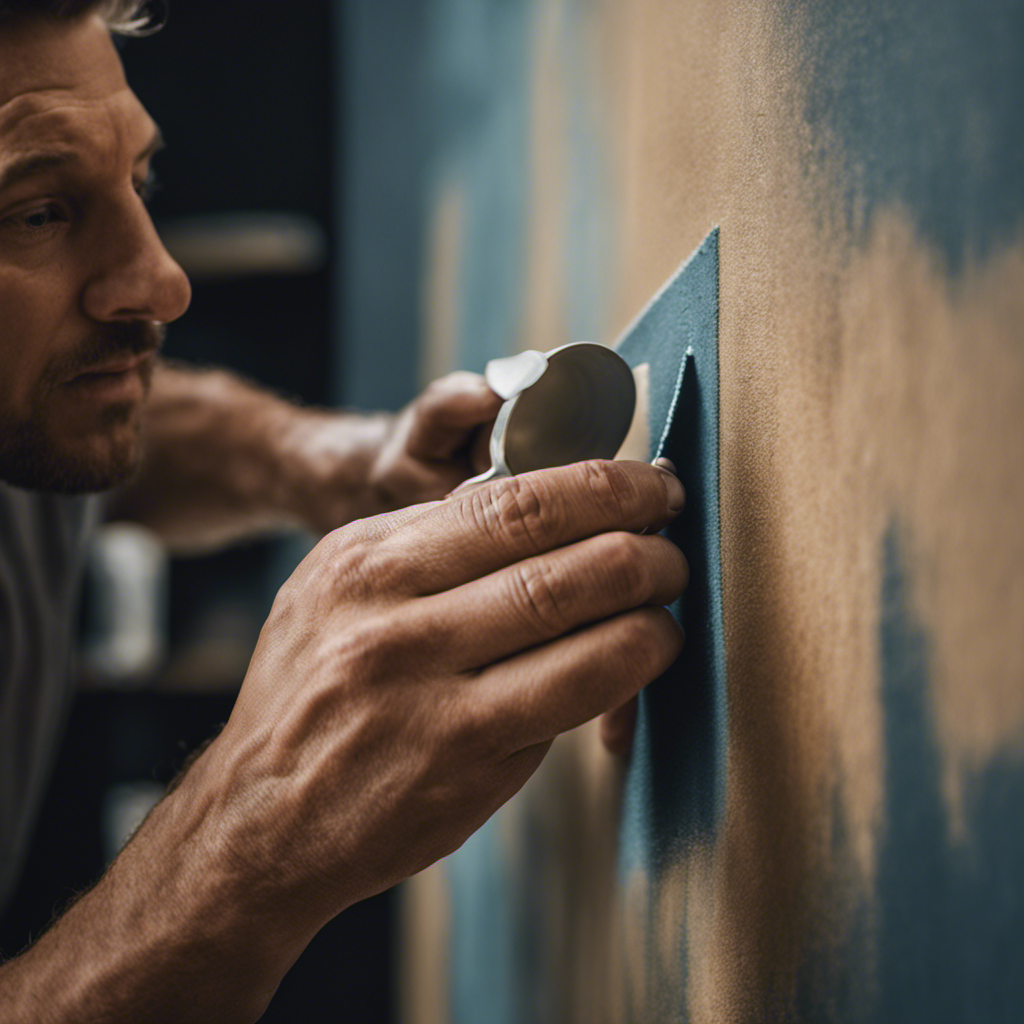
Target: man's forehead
pixel 59 120
pixel 62 85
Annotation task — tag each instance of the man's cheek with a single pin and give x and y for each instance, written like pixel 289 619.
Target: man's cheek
pixel 23 352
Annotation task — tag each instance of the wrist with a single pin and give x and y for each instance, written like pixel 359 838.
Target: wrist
pixel 326 462
pixel 177 929
pixel 233 864
pixel 222 908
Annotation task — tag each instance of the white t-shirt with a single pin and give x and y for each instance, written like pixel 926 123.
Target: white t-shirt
pixel 43 542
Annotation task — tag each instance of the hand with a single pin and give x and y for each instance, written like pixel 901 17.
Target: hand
pixel 617 728
pixel 410 678
pixel 416 667
pixel 342 466
pixel 437 441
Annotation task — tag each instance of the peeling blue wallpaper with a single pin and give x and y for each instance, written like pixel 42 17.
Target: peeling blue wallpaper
pixel 675 787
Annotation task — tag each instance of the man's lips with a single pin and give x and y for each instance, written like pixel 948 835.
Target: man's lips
pixel 114 367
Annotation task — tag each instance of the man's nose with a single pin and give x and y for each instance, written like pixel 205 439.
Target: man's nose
pixel 133 277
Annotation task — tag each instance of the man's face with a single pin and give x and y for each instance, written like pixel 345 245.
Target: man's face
pixel 84 280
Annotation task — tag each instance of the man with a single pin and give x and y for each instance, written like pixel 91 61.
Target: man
pixel 413 671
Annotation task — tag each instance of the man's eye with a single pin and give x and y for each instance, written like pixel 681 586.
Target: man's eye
pixel 147 186
pixel 40 218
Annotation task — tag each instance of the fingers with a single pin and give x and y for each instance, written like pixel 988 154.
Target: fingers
pixel 556 687
pixel 617 728
pixel 498 524
pixel 445 415
pixel 541 598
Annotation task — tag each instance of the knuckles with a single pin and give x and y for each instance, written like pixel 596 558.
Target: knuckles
pixel 615 571
pixel 474 731
pixel 542 593
pixel 607 574
pixel 512 511
pixel 375 650
pixel 534 506
pixel 351 564
pixel 612 489
pixel 346 566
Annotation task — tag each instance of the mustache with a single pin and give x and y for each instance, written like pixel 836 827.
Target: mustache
pixel 108 342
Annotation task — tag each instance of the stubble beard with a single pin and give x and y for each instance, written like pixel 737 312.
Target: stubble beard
pixel 44 452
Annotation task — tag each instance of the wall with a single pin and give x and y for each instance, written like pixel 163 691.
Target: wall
pixel 864 163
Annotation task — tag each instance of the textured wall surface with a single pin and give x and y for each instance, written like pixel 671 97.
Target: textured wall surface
pixel 859 856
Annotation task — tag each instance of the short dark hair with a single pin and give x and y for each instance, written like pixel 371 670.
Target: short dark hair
pixel 125 17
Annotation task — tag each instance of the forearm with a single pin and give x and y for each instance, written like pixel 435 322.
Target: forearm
pixel 172 932
pixel 223 459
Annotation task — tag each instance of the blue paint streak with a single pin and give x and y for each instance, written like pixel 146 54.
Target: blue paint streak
pixel 380 222
pixel 478 113
pixel 951 944
pixel 945 929
pixel 433 94
pixel 484 966
pixel 589 235
pixel 925 99
pixel 675 786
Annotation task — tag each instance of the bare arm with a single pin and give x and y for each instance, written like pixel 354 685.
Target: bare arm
pixel 224 458
pixel 166 935
pixel 411 677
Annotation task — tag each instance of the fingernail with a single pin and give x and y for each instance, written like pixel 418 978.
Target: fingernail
pixel 674 489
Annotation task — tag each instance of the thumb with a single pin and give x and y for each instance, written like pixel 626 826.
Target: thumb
pixel 617 728
pixel 444 418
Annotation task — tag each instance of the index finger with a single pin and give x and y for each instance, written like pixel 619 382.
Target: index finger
pixel 498 524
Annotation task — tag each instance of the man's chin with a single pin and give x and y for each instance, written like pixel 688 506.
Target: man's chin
pixel 94 462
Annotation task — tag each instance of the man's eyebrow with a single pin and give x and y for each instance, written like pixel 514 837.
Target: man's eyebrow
pixel 32 164
pixel 28 166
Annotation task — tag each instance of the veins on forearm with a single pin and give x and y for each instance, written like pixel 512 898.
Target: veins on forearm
pixel 225 458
